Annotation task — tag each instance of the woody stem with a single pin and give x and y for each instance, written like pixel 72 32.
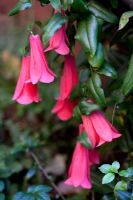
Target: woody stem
pixel 45 174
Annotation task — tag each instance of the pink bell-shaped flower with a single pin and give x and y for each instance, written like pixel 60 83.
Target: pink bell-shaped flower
pixel 59 42
pixel 26 92
pixel 99 129
pixel 64 107
pixel 82 160
pixel 39 70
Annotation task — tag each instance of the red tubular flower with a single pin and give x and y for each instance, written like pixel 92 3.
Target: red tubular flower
pixel 82 160
pixel 26 92
pixel 69 77
pixel 64 107
pixel 98 129
pixel 39 70
pixel 59 42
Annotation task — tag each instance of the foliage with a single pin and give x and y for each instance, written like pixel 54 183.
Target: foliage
pixel 103 30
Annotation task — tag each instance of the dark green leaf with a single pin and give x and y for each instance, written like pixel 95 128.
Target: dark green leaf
pixel 87 34
pixel 127 85
pixel 108 178
pixel 101 12
pixel 96 90
pixel 108 70
pixel 114 3
pixel 2 185
pixel 97 60
pixel 84 140
pixel 86 108
pixel 21 5
pixel 56 4
pixel 92 33
pixel 82 36
pixel 53 25
pixel 42 196
pixel 80 6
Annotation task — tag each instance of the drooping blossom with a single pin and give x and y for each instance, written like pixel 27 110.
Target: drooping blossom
pixel 64 109
pixel 64 106
pixel 26 92
pixel 59 42
pixel 82 160
pixel 39 70
pixel 69 77
pixel 99 129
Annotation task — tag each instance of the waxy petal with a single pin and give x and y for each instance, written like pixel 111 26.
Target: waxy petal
pixel 58 42
pixel 69 78
pixel 101 127
pixel 39 70
pixel 29 94
pixel 64 109
pixel 22 76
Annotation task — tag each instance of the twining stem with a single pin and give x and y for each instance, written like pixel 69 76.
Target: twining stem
pixel 35 158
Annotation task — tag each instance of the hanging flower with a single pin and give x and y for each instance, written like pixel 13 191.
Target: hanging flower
pixel 82 160
pixel 39 70
pixel 69 77
pixel 99 129
pixel 59 42
pixel 26 92
pixel 64 107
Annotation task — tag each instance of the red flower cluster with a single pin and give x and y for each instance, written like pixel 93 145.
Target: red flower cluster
pixel 35 69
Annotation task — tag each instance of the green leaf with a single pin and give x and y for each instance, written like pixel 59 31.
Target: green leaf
pixel 53 25
pixel 39 188
pixel 66 3
pixel 108 70
pixel 2 196
pixel 42 196
pixel 116 165
pixel 56 4
pixel 97 60
pixel 80 6
pixel 2 186
pixel 123 195
pixel 84 140
pixel 77 113
pixel 105 168
pixel 86 108
pixel 96 90
pixel 123 173
pixel 127 173
pixel 87 34
pixel 82 36
pixel 108 178
pixel 23 196
pixel 121 185
pixel 125 19
pixel 127 85
pixel 102 12
pixel 31 172
pixel 21 5
pixel 114 3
